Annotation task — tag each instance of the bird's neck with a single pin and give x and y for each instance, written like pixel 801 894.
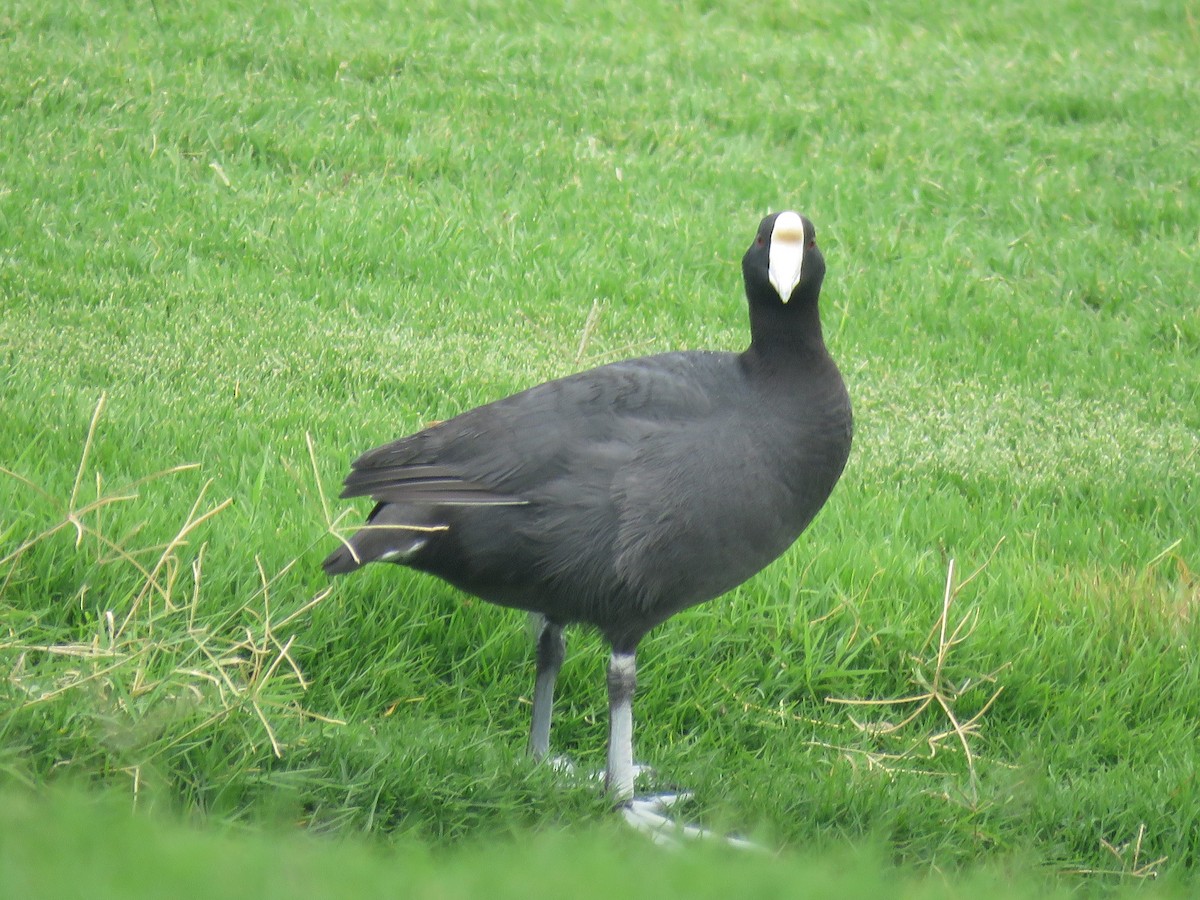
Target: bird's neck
pixel 786 337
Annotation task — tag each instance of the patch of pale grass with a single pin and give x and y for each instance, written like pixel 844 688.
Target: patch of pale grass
pixel 1166 589
pixel 1128 860
pixel 940 684
pixel 159 664
pixel 937 689
pixel 1035 436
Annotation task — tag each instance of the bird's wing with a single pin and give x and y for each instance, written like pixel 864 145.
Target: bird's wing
pixel 501 453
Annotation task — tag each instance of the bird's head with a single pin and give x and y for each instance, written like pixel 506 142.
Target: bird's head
pixel 784 264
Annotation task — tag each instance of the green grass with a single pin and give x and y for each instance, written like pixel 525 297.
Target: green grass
pixel 248 228
pixel 152 861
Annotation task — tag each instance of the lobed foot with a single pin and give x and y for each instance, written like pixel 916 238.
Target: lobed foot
pixel 646 815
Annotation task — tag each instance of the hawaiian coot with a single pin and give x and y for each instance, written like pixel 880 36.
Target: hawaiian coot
pixel 619 496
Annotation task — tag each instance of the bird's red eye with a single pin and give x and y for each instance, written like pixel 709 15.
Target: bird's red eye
pixel 759 240
pixel 812 242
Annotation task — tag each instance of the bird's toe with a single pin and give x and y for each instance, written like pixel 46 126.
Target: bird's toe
pixel 647 816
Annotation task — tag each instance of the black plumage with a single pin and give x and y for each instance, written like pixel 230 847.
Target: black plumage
pixel 618 496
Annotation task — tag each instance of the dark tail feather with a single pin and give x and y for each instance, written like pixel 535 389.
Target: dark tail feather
pixel 341 561
pixel 392 534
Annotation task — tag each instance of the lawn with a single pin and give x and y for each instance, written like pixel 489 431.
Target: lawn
pixel 241 243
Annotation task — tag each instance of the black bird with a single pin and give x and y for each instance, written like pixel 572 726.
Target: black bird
pixel 619 496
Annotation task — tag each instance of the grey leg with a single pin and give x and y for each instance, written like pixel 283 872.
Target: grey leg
pixel 646 814
pixel 551 647
pixel 622 680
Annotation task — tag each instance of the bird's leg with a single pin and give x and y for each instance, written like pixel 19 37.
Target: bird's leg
pixel 622 680
pixel 551 647
pixel 646 814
